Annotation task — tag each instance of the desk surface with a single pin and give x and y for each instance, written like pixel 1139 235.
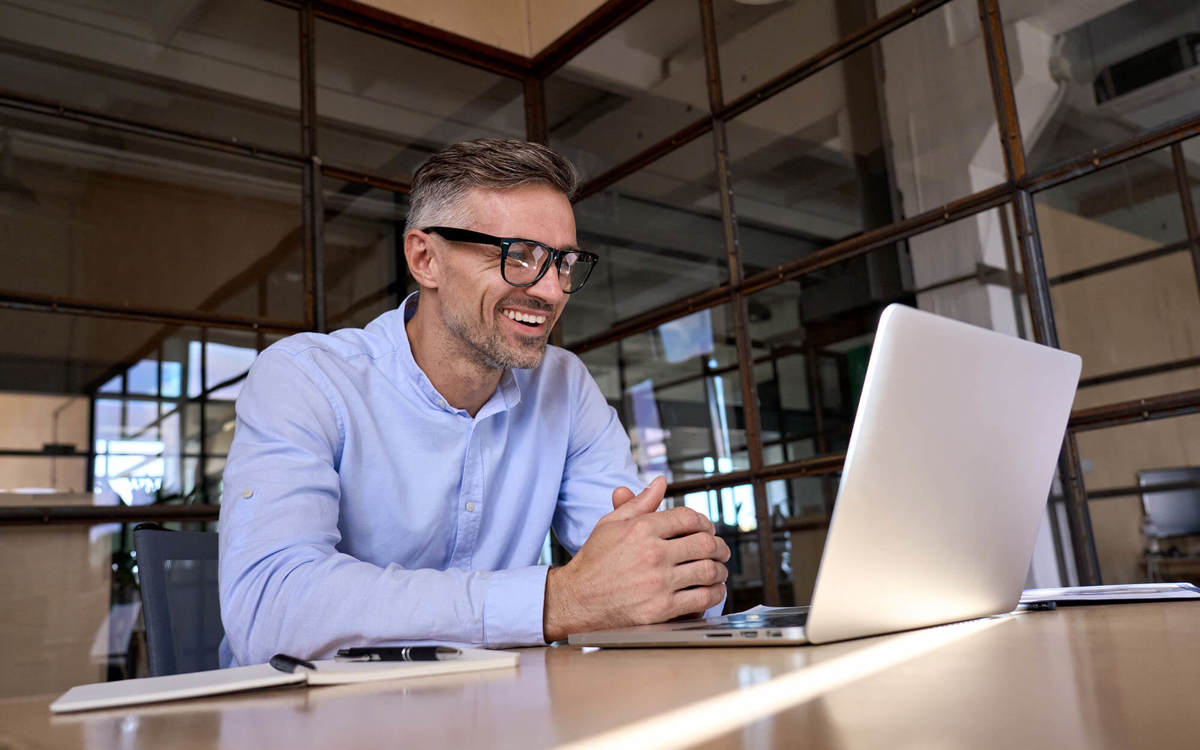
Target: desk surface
pixel 1096 677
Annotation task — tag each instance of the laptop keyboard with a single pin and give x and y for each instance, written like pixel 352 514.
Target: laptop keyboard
pixel 767 620
pixel 794 617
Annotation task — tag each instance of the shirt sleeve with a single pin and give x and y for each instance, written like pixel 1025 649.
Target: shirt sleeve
pixel 598 461
pixel 284 585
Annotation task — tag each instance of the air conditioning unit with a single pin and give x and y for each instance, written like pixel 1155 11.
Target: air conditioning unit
pixel 1163 72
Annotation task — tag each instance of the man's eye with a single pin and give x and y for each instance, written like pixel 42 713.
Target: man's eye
pixel 522 254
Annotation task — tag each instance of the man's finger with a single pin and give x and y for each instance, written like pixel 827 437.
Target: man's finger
pixel 621 495
pixel 698 573
pixel 675 522
pixel 697 600
pixel 698 546
pixel 644 502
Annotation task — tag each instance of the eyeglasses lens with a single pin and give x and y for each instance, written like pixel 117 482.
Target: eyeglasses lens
pixel 573 271
pixel 526 260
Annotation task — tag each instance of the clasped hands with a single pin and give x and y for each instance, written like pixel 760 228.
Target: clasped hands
pixel 638 567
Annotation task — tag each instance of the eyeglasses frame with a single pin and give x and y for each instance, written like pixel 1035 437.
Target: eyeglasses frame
pixel 554 257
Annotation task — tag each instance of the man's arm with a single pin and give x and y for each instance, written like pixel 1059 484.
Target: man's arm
pixel 285 586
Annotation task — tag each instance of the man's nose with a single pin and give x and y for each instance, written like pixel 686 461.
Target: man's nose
pixel 548 288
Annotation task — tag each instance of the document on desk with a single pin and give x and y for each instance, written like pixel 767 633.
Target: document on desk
pixel 237 679
pixel 1126 592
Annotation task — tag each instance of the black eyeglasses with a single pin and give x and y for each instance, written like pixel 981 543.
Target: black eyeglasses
pixel 524 262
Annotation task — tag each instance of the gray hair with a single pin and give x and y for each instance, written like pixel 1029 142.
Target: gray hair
pixel 442 182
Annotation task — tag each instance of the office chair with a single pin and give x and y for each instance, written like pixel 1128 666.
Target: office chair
pixel 180 602
pixel 1170 512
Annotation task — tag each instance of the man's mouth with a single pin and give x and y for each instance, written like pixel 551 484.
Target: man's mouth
pixel 530 320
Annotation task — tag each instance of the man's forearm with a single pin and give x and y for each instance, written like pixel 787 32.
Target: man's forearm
pixel 310 612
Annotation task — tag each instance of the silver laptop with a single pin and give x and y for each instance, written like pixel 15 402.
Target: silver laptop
pixel 942 493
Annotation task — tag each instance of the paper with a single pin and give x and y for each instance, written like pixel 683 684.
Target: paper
pixel 1127 592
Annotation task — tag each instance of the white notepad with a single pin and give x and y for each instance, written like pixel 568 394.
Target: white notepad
pixel 237 679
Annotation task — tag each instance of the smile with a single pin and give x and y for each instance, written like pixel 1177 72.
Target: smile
pixel 525 318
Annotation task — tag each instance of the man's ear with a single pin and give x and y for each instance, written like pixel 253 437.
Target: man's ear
pixel 423 262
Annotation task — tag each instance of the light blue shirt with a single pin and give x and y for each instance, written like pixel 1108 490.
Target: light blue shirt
pixel 360 509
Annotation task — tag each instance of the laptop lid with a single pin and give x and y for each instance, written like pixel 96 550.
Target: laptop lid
pixel 946 477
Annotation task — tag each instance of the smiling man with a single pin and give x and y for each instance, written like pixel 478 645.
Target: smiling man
pixel 395 484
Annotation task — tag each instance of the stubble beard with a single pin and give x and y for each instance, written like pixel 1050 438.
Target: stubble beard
pixel 488 348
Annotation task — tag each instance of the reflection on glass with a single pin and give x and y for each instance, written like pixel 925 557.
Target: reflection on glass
pixel 811 340
pixel 867 141
pixel 1132 320
pixel 1191 157
pixel 225 70
pixel 365 271
pixel 1126 528
pixel 1116 213
pixel 1123 283
pixel 384 108
pixel 659 237
pixel 636 85
pixel 1124 286
pixel 147 442
pixel 758 41
pixel 119 219
pixel 678 393
pixel 1095 75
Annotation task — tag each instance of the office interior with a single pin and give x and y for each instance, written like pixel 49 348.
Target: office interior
pixel 183 183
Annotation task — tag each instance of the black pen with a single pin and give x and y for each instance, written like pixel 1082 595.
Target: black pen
pixel 398 653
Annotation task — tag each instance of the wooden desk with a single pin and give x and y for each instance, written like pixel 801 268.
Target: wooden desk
pixel 1096 677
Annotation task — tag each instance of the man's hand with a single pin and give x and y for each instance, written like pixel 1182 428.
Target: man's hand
pixel 637 567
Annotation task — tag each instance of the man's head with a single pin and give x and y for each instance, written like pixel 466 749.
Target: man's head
pixel 506 189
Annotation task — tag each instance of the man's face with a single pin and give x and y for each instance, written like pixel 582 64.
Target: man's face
pixel 500 325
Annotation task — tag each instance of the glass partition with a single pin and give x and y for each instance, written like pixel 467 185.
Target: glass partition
pixel 1142 533
pixel 365 271
pixel 636 85
pixel 1091 76
pixel 659 237
pixel 384 108
pixel 224 70
pixel 114 218
pixel 678 393
pixel 867 141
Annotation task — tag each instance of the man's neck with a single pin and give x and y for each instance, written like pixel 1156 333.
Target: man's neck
pixel 462 381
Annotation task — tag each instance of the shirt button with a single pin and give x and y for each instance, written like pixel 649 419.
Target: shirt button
pixel 470 507
pixel 247 493
pixel 441 403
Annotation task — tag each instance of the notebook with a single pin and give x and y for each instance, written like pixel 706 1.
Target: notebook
pixel 238 679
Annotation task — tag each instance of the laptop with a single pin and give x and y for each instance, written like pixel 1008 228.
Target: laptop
pixel 943 489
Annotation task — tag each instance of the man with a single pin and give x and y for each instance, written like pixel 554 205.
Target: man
pixel 395 484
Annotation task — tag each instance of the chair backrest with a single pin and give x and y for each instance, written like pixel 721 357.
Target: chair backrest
pixel 1171 512
pixel 177 571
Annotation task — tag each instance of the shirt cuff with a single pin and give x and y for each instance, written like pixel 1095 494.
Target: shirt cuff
pixel 513 606
pixel 717 610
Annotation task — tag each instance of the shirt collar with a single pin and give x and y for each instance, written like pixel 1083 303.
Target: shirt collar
pixel 508 392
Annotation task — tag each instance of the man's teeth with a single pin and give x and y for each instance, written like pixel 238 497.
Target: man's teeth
pixel 525 318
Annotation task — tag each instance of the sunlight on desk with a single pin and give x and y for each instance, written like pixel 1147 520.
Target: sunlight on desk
pixel 720 714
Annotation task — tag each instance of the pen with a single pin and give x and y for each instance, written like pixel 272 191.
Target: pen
pixel 398 653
